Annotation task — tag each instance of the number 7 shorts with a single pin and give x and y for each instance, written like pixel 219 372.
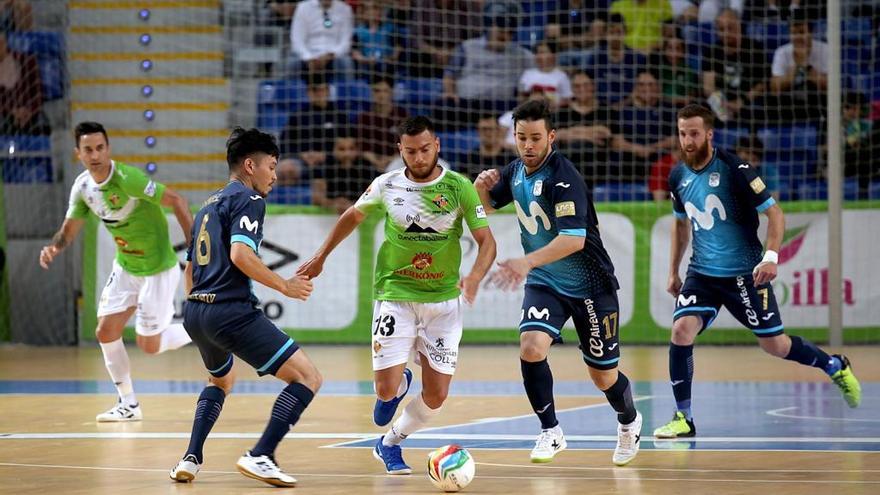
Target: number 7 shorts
pixel 400 329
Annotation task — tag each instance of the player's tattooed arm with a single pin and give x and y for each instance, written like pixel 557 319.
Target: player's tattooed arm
pixel 63 238
pixel 59 241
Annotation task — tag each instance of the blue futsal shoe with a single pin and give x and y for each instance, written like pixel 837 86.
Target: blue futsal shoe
pixel 392 457
pixel 383 412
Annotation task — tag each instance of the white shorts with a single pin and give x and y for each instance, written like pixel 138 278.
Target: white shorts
pixel 402 328
pixel 153 295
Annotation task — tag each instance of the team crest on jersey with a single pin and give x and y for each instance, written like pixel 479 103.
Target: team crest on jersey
pixel 757 185
pixel 714 179
pixel 565 209
pixel 422 261
pixel 114 199
pixel 538 187
pixel 376 347
pixel 440 201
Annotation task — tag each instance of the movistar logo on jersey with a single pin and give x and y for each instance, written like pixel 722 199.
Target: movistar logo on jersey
pixel 705 219
pixel 245 223
pixel 530 221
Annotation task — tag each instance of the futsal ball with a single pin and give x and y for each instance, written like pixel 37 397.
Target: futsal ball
pixel 451 468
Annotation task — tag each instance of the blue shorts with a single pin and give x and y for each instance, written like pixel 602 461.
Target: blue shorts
pixel 227 328
pixel 754 307
pixel 595 319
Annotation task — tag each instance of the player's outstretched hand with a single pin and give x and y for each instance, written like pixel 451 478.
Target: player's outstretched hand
pixel 764 272
pixel 47 254
pixel 487 179
pixel 673 285
pixel 298 287
pixel 469 286
pixel 311 268
pixel 514 272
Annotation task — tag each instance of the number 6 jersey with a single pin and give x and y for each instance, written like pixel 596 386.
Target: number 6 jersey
pixel 233 214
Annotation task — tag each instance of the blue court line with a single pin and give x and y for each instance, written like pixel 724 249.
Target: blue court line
pixel 568 388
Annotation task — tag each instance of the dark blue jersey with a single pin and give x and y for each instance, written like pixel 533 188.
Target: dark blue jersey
pixel 552 201
pixel 722 200
pixel 233 214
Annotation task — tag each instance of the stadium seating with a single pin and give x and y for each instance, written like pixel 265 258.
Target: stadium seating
pixel 26 159
pixel 48 48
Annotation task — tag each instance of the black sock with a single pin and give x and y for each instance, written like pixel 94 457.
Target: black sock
pixel 681 373
pixel 289 405
pixel 207 411
pixel 538 380
pixel 805 352
pixel 620 397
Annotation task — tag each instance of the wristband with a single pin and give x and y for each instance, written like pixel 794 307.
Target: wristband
pixel 771 257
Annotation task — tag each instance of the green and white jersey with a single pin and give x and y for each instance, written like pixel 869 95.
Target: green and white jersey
pixel 420 258
pixel 128 202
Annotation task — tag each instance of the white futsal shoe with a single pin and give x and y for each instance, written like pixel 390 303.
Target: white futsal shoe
pixel 121 413
pixel 628 440
pixel 186 470
pixel 549 443
pixel 263 468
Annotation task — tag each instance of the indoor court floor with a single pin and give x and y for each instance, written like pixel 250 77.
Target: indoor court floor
pixel 764 426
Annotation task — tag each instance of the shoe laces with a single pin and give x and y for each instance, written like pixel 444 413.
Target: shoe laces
pixel 268 461
pixel 626 438
pixel 545 439
pixel 392 454
pixel 840 380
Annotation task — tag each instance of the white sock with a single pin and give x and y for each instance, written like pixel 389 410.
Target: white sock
pixel 116 361
pixel 414 418
pixel 402 388
pixel 173 337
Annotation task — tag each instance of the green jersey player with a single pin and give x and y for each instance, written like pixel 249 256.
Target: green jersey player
pixel 145 272
pixel 417 287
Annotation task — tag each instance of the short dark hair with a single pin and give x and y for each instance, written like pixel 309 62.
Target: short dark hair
pixel 854 99
pixel 550 44
pixel 533 110
pixel 87 127
pixel 799 16
pixel 413 126
pixel 697 110
pixel 617 18
pixel 382 78
pixel 316 78
pixel 243 144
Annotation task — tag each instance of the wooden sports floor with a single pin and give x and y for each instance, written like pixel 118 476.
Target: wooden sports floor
pixel 764 425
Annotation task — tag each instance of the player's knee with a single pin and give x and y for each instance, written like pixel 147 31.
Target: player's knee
pixel 149 346
pixel 685 330
pixel 104 333
pixel 224 383
pixel 603 379
pixel 386 390
pixel 434 398
pixel 532 352
pixel 313 379
pixel 775 346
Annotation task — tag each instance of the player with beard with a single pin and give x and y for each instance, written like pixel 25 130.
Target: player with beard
pixel 418 293
pixel 720 196
pixel 568 274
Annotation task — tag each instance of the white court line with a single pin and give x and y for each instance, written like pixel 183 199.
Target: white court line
pixel 482 476
pixel 683 470
pixel 357 437
pixel 483 421
pixel 781 413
